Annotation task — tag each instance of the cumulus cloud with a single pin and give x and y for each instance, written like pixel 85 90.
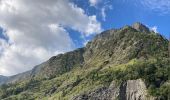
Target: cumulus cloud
pixel 93 24
pixel 36 31
pixel 154 28
pixel 94 2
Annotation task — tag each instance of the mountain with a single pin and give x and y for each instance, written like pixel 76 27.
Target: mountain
pixel 3 79
pixel 130 63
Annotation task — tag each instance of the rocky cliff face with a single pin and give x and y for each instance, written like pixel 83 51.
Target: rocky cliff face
pixel 129 90
pixel 140 27
pixel 135 90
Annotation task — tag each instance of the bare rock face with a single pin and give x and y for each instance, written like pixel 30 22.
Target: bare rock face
pixel 140 27
pixel 136 90
pixel 129 90
pixel 103 93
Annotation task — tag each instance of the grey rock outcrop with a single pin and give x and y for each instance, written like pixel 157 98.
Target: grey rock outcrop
pixel 129 90
pixel 140 27
pixel 103 93
pixel 136 90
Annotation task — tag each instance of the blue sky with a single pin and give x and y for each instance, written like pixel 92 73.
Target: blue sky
pixel 32 31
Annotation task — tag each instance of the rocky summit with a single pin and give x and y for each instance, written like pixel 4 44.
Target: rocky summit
pixel 130 63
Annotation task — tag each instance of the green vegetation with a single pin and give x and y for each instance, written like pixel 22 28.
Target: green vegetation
pixel 155 73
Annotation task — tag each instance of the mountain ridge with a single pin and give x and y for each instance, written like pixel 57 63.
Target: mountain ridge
pixel 137 26
pixel 99 62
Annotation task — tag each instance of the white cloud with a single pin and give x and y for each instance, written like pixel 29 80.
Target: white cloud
pixel 103 11
pixel 154 28
pixel 94 2
pixel 35 29
pixel 161 6
pixel 102 6
pixel 93 25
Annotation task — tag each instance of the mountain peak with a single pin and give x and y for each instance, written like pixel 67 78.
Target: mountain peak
pixel 140 27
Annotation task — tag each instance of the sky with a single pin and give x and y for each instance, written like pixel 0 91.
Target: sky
pixel 32 31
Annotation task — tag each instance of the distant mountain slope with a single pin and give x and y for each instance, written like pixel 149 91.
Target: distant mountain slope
pixel 3 79
pixel 116 59
pixel 56 65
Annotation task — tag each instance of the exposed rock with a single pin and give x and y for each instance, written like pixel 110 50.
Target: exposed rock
pixel 130 90
pixel 140 27
pixel 103 93
pixel 136 90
